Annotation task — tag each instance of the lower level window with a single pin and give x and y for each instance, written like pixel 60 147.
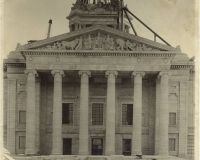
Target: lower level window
pixel 127 147
pixel 172 144
pixel 22 142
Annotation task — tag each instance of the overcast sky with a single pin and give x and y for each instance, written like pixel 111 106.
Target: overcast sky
pixel 27 20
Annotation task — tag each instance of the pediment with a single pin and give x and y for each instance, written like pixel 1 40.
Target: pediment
pixel 97 38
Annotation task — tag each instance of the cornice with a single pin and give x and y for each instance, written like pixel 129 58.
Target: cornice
pixel 99 53
pixel 21 65
pixel 181 67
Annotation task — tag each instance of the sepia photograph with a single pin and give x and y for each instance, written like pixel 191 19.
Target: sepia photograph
pixel 99 79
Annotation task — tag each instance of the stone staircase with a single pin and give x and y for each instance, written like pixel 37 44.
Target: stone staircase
pixel 117 157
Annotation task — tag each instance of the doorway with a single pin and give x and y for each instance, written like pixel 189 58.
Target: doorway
pixel 126 147
pixel 67 146
pixel 97 146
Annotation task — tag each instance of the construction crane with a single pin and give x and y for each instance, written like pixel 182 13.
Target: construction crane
pixel 124 10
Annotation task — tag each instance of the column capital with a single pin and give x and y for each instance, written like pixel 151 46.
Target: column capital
pixel 108 73
pixel 88 73
pixel 57 71
pixel 163 73
pixel 138 73
pixel 31 71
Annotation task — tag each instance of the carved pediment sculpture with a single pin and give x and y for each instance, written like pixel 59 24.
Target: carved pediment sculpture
pixel 99 41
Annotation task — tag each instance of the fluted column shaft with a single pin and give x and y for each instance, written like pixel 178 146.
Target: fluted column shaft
pixel 164 115
pixel 30 114
pixel 57 113
pixel 137 114
pixel 110 113
pixel 84 105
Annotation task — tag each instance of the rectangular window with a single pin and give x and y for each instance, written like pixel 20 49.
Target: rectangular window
pixel 67 113
pixel 22 117
pixel 97 114
pixel 21 142
pixel 172 144
pixel 172 118
pixel 127 114
pixel 127 147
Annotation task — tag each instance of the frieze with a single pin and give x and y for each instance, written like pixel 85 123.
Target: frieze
pixel 99 41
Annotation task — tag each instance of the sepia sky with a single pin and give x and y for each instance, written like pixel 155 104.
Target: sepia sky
pixel 27 20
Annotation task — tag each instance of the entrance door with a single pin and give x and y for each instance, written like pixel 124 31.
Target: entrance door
pixel 127 147
pixel 97 146
pixel 67 146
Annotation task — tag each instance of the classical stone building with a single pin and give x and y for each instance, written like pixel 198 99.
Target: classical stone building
pixel 98 90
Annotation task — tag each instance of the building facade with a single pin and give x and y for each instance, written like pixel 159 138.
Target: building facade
pixel 98 90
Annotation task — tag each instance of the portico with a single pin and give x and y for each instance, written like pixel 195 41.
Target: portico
pixel 135 77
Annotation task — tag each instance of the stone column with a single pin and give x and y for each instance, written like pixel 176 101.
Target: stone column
pixel 11 112
pixel 164 114
pixel 57 113
pixel 110 113
pixel 137 114
pixel 30 114
pixel 84 111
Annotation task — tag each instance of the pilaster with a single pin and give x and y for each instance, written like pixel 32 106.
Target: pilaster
pixel 11 115
pixel 164 114
pixel 183 123
pixel 157 114
pixel 37 116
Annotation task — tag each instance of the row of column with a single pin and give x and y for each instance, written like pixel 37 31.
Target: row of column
pixel 161 111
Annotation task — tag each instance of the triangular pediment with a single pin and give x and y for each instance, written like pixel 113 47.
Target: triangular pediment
pixel 97 38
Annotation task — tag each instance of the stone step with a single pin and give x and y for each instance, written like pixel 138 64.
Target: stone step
pixel 95 158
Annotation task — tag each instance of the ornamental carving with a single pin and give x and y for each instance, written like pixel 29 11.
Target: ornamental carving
pixel 106 5
pixel 99 41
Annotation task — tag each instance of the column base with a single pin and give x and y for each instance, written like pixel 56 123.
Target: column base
pixel 56 153
pixel 30 153
pixel 137 154
pixel 83 153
